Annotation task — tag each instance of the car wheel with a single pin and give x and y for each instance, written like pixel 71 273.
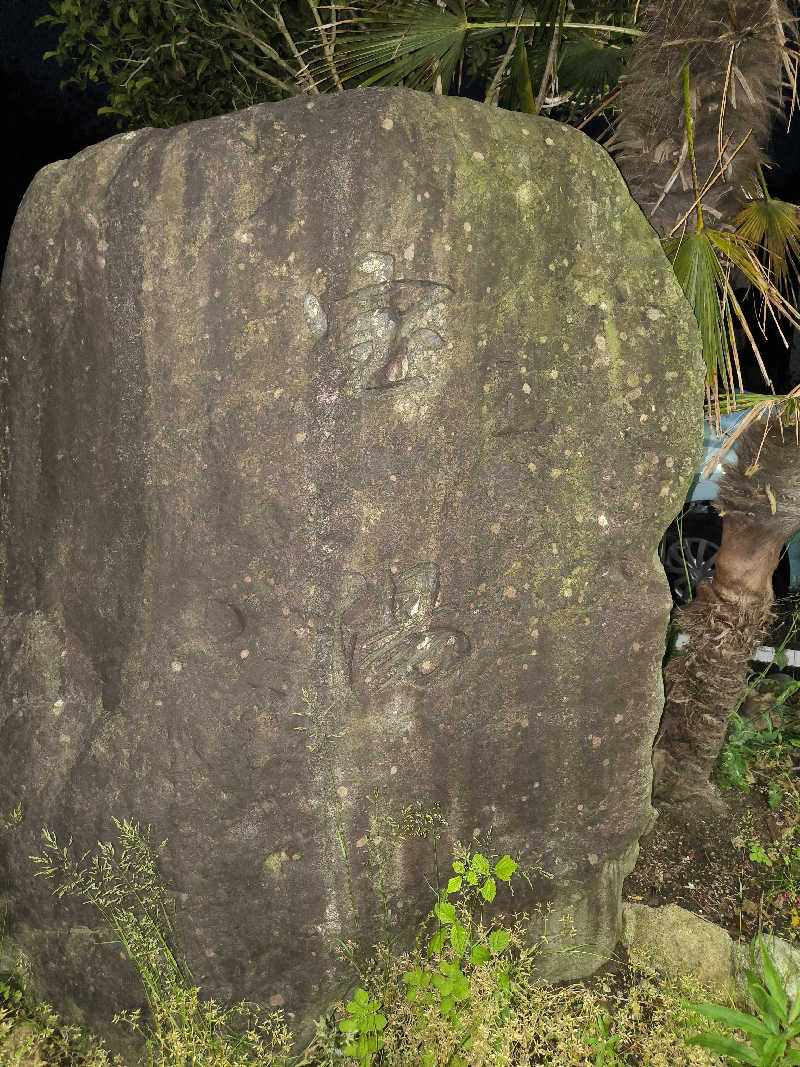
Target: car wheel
pixel 689 554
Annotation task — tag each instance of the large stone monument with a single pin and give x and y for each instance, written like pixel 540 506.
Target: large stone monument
pixel 383 395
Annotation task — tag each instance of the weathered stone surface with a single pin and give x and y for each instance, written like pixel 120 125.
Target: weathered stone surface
pixel 677 941
pixel 381 394
pixel 673 940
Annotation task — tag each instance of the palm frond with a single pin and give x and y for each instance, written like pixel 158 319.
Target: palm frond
pixel 773 228
pixel 420 42
pixel 704 263
pixel 702 278
pixel 414 43
pixel 786 409
pixel 589 68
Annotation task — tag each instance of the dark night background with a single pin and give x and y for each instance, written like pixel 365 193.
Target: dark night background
pixel 39 124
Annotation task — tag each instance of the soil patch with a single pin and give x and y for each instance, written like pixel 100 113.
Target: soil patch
pixel 739 869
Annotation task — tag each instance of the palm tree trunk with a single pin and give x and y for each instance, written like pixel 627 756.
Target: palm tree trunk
pixel 730 615
pixel 735 50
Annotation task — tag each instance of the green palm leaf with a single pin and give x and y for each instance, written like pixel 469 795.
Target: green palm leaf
pixel 702 279
pixel 704 262
pixel 772 226
pixel 589 68
pixel 420 42
pixel 414 43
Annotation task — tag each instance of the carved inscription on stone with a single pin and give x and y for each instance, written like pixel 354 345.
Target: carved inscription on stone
pixel 390 633
pixel 389 330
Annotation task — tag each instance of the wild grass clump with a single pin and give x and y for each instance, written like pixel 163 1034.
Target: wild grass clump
pixel 125 886
pixel 32 1035
pixel 465 996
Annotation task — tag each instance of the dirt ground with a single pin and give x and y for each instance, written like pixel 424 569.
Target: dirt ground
pixel 706 868
pixel 710 866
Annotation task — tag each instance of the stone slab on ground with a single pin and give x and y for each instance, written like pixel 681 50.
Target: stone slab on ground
pixel 675 940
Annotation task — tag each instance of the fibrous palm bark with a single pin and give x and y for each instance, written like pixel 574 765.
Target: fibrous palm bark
pixel 731 614
pixel 735 50
pixel 732 54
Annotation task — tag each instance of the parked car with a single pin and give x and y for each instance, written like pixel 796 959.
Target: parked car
pixel 689 548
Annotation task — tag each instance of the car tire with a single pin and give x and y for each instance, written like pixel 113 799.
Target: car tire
pixel 689 551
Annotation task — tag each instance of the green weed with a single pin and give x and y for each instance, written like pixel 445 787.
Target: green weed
pixel 771 1035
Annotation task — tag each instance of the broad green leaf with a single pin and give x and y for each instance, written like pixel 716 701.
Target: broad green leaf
pixel 459 867
pixel 479 864
pixel 446 1005
pixel 454 884
pixel 498 940
pixel 471 877
pixel 736 1020
pixel 436 942
pixel 458 938
pixel 775 1048
pixel 774 983
pixel 479 954
pixel 726 1046
pixel 792 1058
pixel 360 996
pixel 460 988
pixel 444 911
pixel 489 889
pixel 444 985
pixel 349 1026
pixel 767 1008
pixel 504 868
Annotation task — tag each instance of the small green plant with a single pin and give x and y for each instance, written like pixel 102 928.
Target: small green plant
pixel 762 755
pixel 364 1022
pixel 10 822
pixel 771 1036
pixel 462 944
pixel 31 1033
pixel 602 1044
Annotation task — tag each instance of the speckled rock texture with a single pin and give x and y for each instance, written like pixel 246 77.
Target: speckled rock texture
pixel 676 941
pixel 383 395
